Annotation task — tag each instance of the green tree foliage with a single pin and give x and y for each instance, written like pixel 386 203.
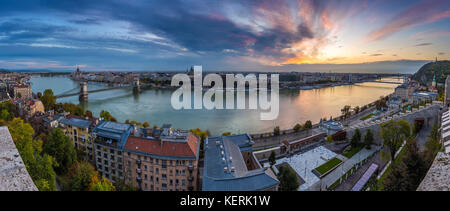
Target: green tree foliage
pixel 226 134
pixel 107 116
pixel 307 125
pixel 276 131
pixel 356 138
pixel 80 176
pixel 48 99
pixel 297 127
pixel 407 174
pixel 288 179
pixel 60 147
pixel 146 124
pixel 71 108
pixel 39 165
pixel 88 113
pixel 272 158
pixel 329 139
pixel 393 134
pixel 6 111
pixel 356 109
pixel 203 135
pixel 120 185
pixel 101 185
pixel 346 111
pixel 368 139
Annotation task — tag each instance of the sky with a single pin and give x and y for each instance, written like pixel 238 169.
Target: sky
pixel 232 35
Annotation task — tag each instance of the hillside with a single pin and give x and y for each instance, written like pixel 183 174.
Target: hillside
pixel 425 73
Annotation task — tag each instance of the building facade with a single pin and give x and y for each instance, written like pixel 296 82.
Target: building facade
pixel 22 91
pixel 167 163
pixel 109 141
pixel 79 130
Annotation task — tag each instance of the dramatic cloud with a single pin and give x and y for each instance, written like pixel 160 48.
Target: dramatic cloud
pixel 234 34
pixel 420 13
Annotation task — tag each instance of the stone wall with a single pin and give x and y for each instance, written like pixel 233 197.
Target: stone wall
pixel 13 174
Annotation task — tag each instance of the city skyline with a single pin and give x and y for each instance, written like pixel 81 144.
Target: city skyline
pixel 350 36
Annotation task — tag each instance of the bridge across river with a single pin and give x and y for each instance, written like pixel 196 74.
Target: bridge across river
pixel 83 93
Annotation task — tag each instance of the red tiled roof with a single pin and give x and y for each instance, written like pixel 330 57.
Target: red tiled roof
pixel 168 148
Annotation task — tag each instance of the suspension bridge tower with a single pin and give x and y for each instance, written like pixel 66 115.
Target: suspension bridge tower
pixel 83 92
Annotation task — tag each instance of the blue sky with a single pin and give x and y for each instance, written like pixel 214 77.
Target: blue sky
pixel 257 35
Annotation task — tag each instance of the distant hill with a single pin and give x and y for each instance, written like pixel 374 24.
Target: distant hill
pixel 426 72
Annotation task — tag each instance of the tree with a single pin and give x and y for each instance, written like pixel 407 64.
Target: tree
pixel 203 135
pixel 297 127
pixel 381 103
pixel 226 134
pixel 396 179
pixel 329 139
pixel 393 134
pixel 307 125
pixel 368 138
pixel 106 115
pixel 48 99
pixel 88 113
pixel 272 158
pixel 60 147
pixel 101 185
pixel 276 131
pixel 356 138
pixel 146 124
pixel 346 111
pixel 120 185
pixel 415 164
pixel 80 176
pixel 356 109
pixel 288 179
pixel 39 166
pixel 432 145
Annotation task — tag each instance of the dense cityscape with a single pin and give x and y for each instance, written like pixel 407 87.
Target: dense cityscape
pixel 79 151
pixel 224 104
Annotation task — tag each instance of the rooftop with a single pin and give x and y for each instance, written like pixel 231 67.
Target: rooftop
pixel 118 132
pixel 13 174
pixel 225 168
pixel 79 123
pixel 186 149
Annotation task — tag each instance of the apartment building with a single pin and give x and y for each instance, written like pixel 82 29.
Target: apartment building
pixel 22 91
pixel 79 130
pixel 165 163
pixel 109 142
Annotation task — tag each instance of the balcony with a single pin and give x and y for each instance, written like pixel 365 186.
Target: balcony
pixel 139 179
pixel 190 167
pixel 190 178
pixel 191 188
pixel 138 161
pixel 138 171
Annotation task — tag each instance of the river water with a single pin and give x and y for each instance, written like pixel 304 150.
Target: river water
pixel 154 106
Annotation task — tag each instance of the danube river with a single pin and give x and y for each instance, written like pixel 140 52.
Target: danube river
pixel 155 107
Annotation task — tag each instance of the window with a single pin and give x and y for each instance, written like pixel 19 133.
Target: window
pixel 145 177
pixel 151 160
pixel 156 161
pixel 119 153
pixel 183 182
pixel 145 167
pixel 111 151
pixel 105 155
pixel 151 178
pixel 119 166
pixel 151 168
pixel 164 177
pixel 163 164
pixel 157 171
pixel 164 186
pixel 190 163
